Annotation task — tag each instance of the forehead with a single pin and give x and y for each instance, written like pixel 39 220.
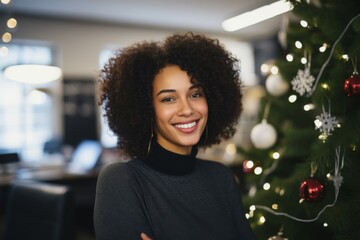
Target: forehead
pixel 172 76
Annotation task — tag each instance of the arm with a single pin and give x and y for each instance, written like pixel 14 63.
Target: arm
pixel 118 212
pixel 241 221
pixel 144 237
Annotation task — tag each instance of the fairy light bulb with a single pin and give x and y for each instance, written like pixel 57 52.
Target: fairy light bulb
pixel 289 57
pixel 262 220
pixel 258 170
pixel 4 51
pixel 345 57
pixel 325 86
pixel 264 68
pixel 5 2
pixel 303 60
pixel 11 23
pixel 274 70
pixel 323 48
pixel 292 98
pixel 6 37
pixel 298 44
pixel 266 186
pixel 308 107
pixel 275 206
pixel 276 155
pixel 304 23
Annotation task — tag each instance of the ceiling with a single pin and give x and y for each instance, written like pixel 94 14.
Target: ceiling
pixel 183 15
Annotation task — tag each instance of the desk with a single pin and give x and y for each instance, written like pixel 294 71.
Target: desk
pixel 83 186
pixel 58 175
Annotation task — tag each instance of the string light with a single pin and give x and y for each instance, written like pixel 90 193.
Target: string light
pixel 11 23
pixel 275 206
pixel 289 57
pixel 298 44
pixel 292 98
pixel 264 68
pixel 276 155
pixel 304 23
pixel 6 37
pixel 4 51
pixel 5 2
pixel 303 60
pixel 308 107
pixel 262 220
pixel 266 186
pixel 274 70
pixel 323 48
pixel 258 170
pixel 325 86
pixel 345 57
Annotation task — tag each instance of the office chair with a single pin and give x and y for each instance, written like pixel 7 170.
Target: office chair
pixel 39 211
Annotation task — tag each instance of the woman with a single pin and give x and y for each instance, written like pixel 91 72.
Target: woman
pixel 163 101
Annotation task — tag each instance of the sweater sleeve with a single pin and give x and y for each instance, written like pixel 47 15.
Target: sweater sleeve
pixel 239 214
pixel 119 211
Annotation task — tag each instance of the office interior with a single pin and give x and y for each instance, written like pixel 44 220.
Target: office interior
pixel 54 133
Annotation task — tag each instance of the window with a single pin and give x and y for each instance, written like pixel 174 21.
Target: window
pixel 26 110
pixel 107 137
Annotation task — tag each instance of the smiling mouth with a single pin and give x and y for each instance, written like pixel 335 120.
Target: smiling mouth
pixel 186 125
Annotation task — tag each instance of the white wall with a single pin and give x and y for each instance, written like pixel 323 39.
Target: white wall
pixel 79 45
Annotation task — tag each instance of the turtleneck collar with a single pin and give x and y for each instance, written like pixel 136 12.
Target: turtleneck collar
pixel 168 162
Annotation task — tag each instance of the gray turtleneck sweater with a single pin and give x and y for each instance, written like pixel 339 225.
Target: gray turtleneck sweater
pixel 169 197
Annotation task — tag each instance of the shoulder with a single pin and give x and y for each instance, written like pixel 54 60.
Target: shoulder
pixel 117 172
pixel 214 167
pixel 210 164
pixel 114 169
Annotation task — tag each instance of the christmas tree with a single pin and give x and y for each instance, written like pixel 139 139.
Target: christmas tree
pixel 302 171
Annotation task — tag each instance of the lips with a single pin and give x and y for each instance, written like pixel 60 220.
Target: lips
pixel 186 127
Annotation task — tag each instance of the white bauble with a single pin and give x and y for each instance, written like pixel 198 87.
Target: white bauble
pixel 263 135
pixel 276 85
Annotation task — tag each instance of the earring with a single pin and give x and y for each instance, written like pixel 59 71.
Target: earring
pixel 151 137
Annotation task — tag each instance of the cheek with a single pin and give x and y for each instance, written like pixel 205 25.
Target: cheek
pixel 162 114
pixel 203 108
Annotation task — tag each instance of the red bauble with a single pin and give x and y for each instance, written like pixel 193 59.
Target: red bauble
pixel 352 85
pixel 311 190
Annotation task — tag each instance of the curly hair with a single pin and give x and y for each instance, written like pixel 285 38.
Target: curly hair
pixel 126 88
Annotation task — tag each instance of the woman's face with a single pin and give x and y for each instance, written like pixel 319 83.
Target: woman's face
pixel 180 109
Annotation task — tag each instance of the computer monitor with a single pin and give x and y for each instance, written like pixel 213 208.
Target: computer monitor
pixel 9 157
pixel 86 156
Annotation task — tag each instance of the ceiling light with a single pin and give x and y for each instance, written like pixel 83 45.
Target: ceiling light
pixel 33 74
pixel 257 15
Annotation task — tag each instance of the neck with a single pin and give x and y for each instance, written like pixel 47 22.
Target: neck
pixel 169 162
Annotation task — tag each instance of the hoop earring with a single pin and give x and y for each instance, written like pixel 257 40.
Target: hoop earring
pixel 151 137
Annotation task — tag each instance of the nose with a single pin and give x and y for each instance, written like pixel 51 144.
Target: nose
pixel 185 108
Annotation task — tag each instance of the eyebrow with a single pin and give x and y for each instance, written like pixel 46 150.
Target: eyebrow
pixel 173 90
pixel 165 91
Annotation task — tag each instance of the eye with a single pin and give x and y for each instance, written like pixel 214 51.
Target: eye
pixel 197 94
pixel 167 99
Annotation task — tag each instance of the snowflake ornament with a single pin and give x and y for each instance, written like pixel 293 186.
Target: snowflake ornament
pixel 303 81
pixel 326 124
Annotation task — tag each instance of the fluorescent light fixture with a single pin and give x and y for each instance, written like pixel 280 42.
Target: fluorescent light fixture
pixel 257 15
pixel 32 73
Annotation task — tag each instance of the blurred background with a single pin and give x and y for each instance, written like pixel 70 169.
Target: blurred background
pixel 52 132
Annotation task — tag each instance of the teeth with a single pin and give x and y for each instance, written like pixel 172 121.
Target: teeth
pixel 187 125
